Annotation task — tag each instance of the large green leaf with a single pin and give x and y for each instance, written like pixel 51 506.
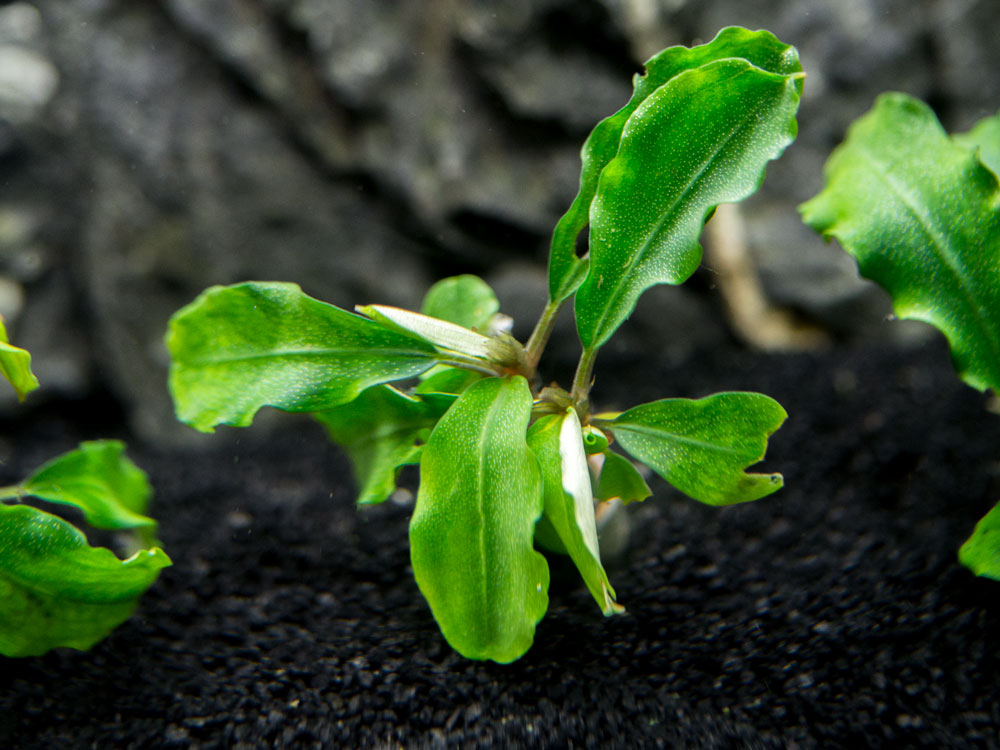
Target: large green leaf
pixel 921 216
pixel 56 590
pixel 236 349
pixel 981 551
pixel 761 48
pixel 15 366
pixel 472 529
pixel 557 442
pixel 381 430
pixel 702 446
pixel 465 300
pixel 985 136
pixel 701 139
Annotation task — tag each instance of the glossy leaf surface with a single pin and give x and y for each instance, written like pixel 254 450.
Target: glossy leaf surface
pixel 464 300
pixel 920 214
pixel 15 366
pixel 620 479
pixel 236 349
pixel 557 442
pixel 702 446
pixel 981 551
pixel 701 139
pixel 381 430
pixel 471 535
pixel 761 48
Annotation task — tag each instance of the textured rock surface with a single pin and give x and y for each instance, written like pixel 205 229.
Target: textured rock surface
pixel 363 148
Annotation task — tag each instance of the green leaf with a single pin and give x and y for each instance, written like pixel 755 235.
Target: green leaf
pixel 620 479
pixel 472 528
pixel 701 139
pixel 921 216
pixel 15 366
pixel 760 48
pixel 57 590
pixel 557 441
pixel 464 300
pixel 702 446
pixel 101 481
pixel 236 349
pixel 448 380
pixel 380 430
pixel 981 551
pixel 985 136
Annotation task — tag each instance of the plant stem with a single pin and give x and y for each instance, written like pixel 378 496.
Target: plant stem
pixel 540 336
pixel 12 492
pixel 582 381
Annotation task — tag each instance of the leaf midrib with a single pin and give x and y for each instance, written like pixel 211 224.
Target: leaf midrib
pixel 664 435
pixel 308 353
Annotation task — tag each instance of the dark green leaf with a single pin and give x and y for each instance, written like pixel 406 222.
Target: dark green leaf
pixel 981 551
pixel 464 300
pixel 381 430
pixel 15 366
pixel 921 216
pixel 56 590
pixel 620 479
pixel 472 529
pixel 557 442
pixel 701 139
pixel 761 48
pixel 703 446
pixel 236 349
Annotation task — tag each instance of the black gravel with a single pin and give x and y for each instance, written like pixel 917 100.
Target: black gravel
pixel 832 615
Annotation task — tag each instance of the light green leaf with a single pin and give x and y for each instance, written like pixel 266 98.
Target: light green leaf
pixel 981 551
pixel 985 136
pixel 620 479
pixel 472 529
pixel 15 366
pixel 97 478
pixel 236 349
pixel 557 442
pixel 921 216
pixel 761 48
pixel 442 334
pixel 448 380
pixel 464 300
pixel 702 446
pixel 57 590
pixel 701 139
pixel 380 430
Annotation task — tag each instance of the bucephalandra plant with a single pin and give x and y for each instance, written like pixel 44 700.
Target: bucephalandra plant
pixel 55 589
pixel 506 464
pixel 920 212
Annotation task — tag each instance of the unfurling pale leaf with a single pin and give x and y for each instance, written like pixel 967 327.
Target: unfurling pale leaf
pixel 557 442
pixel 236 349
pixel 702 446
pixel 760 48
pixel 981 551
pixel 471 535
pixel 920 213
pixel 381 430
pixel 702 139
pixel 15 366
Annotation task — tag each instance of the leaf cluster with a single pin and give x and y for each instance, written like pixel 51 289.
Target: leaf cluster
pixel 507 465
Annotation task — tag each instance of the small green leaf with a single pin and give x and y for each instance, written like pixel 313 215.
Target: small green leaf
pixel 464 300
pixel 236 349
pixel 985 136
pixel 981 551
pixel 472 529
pixel 594 441
pixel 701 139
pixel 761 48
pixel 921 216
pixel 449 380
pixel 620 479
pixel 97 478
pixel 557 442
pixel 380 430
pixel 59 591
pixel 15 366
pixel 702 446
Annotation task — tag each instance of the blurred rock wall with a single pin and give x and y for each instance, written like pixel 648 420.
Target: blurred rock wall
pixel 363 148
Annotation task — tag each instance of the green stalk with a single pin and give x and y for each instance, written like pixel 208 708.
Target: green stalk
pixel 540 336
pixel 582 381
